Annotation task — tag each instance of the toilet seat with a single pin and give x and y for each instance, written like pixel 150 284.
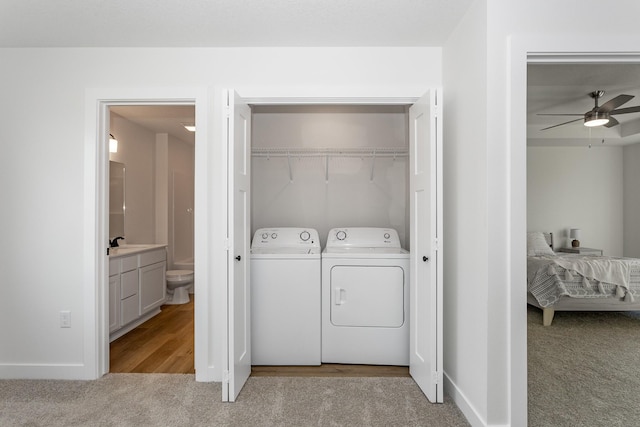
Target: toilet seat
pixel 179 275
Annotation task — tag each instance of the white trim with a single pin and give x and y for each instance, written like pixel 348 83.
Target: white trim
pixel 63 371
pixel 468 410
pixel 97 103
pixel 521 51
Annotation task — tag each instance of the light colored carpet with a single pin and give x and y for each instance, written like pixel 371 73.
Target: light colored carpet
pixel 584 369
pixel 177 400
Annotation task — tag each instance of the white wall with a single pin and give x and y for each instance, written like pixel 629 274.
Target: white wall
pixel 349 198
pixel 631 195
pixel 577 187
pixel 180 199
pixel 465 215
pixel 46 89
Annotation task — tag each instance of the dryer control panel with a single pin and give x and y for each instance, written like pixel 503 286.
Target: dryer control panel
pixel 363 237
pixel 285 237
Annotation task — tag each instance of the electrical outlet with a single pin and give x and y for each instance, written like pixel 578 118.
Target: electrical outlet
pixel 65 319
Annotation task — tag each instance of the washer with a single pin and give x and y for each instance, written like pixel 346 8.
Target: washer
pixel 285 297
pixel 365 297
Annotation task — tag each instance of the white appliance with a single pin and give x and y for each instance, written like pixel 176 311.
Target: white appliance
pixel 285 297
pixel 365 297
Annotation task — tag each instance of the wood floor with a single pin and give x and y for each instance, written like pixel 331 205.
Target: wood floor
pixel 164 344
pixel 161 344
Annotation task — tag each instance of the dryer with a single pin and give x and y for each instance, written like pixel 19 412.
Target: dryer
pixel 285 297
pixel 365 297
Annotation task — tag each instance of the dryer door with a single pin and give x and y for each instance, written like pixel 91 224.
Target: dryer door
pixel 367 296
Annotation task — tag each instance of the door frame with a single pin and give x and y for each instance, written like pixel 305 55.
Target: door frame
pixel 522 51
pixel 275 97
pixel 96 225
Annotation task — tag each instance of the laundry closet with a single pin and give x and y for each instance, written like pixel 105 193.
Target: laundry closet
pixel 368 178
pixel 326 166
pixel 334 170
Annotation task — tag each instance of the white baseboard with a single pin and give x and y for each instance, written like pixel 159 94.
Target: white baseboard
pixel 44 372
pixel 463 403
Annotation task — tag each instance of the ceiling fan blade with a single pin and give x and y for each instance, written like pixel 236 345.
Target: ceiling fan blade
pixel 611 123
pixel 626 110
pixel 560 114
pixel 614 103
pixel 565 123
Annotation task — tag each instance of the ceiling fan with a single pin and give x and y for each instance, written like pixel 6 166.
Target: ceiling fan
pixel 600 115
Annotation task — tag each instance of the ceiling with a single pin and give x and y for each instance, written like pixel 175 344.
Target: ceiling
pixel 565 88
pixel 160 118
pixel 200 23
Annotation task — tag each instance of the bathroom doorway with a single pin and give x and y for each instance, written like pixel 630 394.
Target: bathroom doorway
pixel 156 147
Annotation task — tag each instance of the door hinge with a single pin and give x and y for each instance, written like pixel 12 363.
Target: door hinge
pixel 227 111
pixel 435 376
pixel 225 377
pixel 227 245
pixel 436 244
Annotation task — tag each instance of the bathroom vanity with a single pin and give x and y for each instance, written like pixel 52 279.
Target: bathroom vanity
pixel 137 286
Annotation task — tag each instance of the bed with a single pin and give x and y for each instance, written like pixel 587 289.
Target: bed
pixel 573 282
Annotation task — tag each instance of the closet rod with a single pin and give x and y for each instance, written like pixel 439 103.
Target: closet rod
pixel 330 152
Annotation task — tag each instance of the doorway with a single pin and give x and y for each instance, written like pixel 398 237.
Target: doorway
pixel 426 192
pixel 155 146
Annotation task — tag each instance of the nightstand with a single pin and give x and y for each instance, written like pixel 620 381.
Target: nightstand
pixel 582 251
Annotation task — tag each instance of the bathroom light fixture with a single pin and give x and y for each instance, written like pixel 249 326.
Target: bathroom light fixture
pixel 596 118
pixel 113 144
pixel 189 126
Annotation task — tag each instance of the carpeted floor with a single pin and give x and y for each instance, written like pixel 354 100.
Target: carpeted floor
pixel 177 400
pixel 584 369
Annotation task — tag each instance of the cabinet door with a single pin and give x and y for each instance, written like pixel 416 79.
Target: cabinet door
pixel 152 286
pixel 114 302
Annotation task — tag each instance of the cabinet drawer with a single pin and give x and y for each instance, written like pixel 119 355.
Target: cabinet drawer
pixel 128 284
pixel 152 257
pixel 129 263
pixel 129 309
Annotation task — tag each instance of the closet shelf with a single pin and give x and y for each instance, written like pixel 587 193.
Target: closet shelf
pixel 330 152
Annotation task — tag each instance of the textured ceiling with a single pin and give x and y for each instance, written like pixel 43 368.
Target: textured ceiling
pixel 193 23
pixel 565 88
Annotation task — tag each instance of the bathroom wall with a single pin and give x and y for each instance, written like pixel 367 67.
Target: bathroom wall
pixel 136 149
pixel 148 158
pixel 299 191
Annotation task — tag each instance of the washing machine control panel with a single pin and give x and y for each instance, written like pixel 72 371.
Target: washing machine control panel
pixel 363 237
pixel 285 237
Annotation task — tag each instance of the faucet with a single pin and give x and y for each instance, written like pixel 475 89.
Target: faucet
pixel 114 243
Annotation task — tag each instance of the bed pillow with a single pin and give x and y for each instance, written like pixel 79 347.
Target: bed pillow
pixel 537 245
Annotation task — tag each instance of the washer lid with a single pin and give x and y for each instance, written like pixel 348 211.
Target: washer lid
pixel 282 253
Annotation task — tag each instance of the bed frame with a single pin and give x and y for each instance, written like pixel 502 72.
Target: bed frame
pixel 579 304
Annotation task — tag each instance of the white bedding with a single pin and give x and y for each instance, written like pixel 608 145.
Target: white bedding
pixel 550 278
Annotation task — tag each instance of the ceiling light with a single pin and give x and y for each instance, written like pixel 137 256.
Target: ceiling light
pixel 189 126
pixel 113 144
pixel 596 118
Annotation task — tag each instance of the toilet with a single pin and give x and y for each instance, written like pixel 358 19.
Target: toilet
pixel 178 282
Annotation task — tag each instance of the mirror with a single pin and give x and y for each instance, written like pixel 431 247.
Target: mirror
pixel 116 199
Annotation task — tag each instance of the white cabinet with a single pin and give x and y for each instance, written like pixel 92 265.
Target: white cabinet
pixel 137 289
pixel 151 294
pixel 114 302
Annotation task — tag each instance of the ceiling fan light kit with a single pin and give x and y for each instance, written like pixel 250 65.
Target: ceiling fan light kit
pixel 596 118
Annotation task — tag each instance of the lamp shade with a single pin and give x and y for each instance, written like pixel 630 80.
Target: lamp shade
pixel 575 233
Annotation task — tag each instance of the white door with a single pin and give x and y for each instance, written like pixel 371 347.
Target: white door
pixel 239 322
pixel 425 139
